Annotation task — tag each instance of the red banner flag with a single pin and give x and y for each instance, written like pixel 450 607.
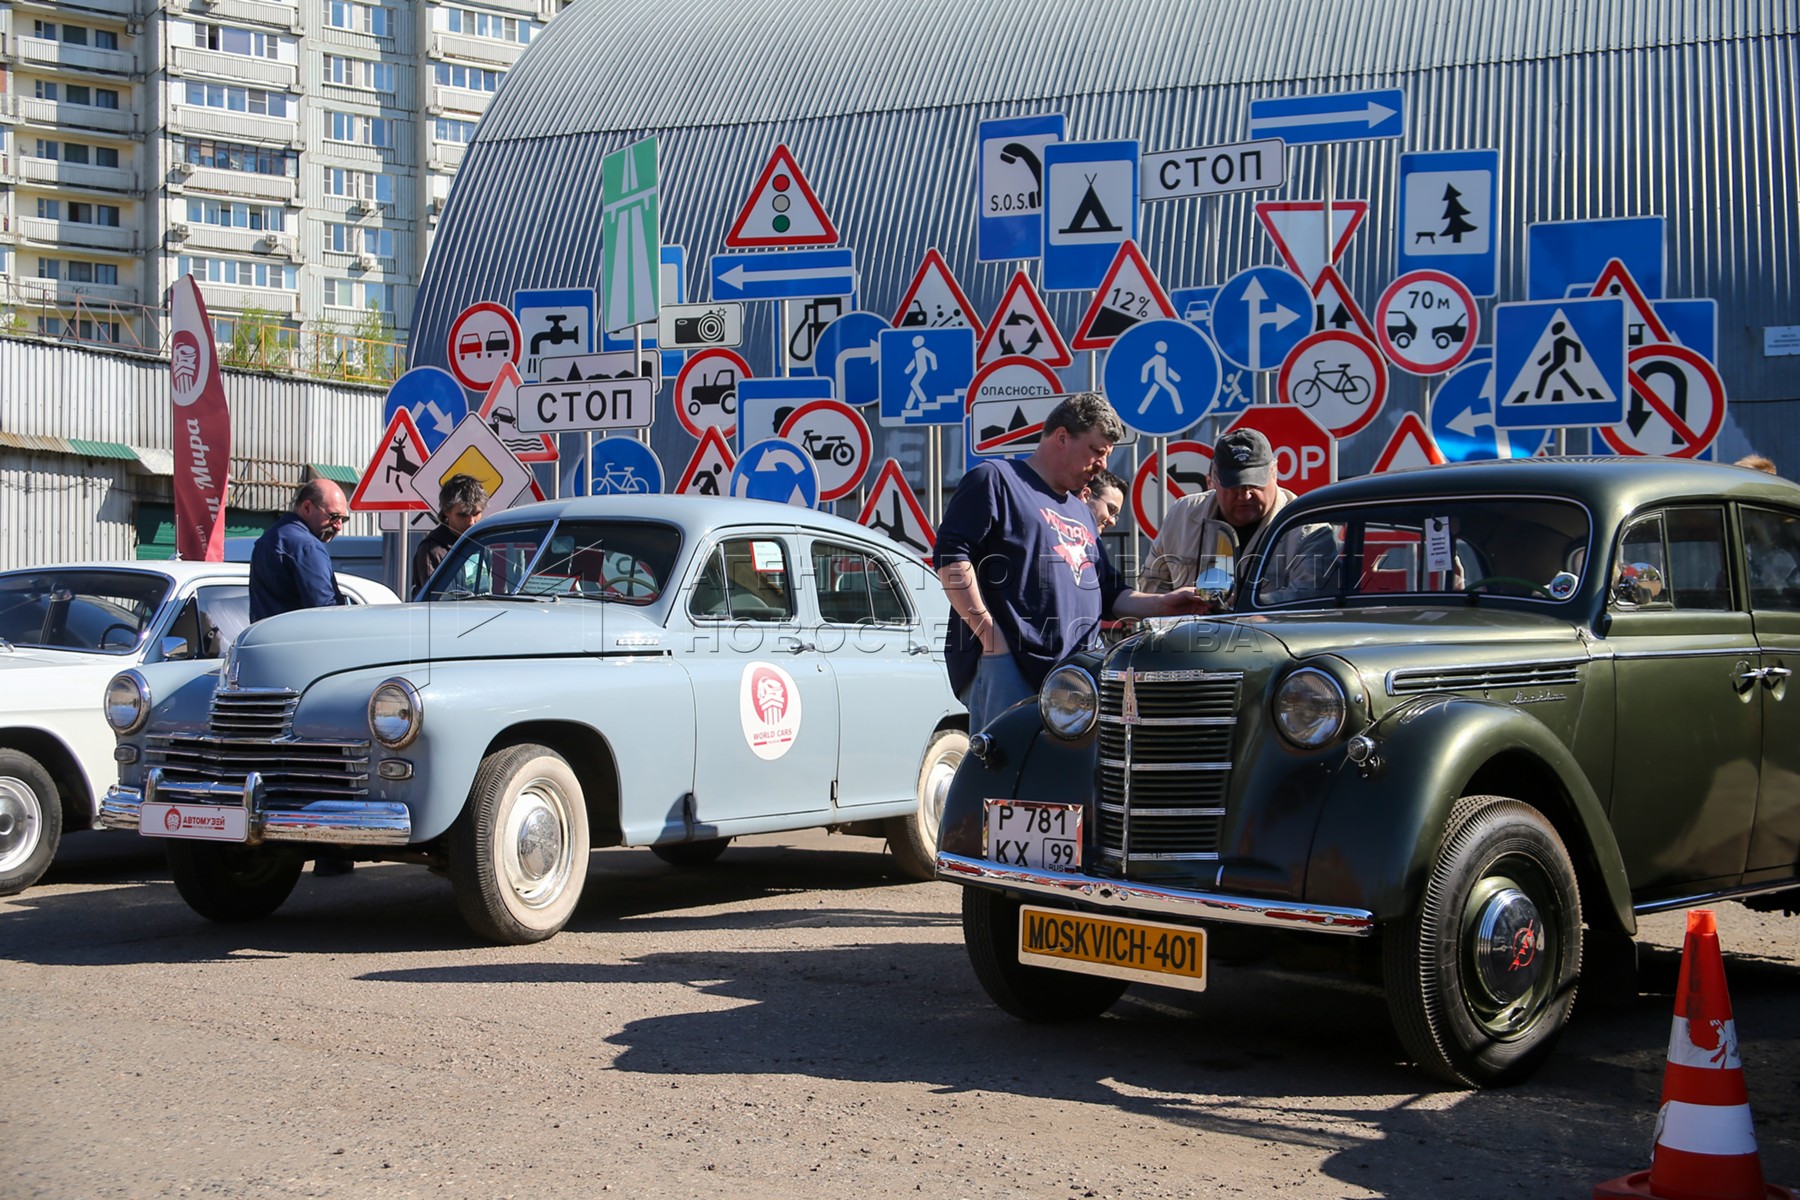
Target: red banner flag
pixel 201 428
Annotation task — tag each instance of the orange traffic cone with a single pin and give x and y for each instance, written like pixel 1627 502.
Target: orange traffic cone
pixel 1705 1144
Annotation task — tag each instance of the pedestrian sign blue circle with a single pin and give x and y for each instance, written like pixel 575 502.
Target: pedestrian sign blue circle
pixel 1462 419
pixel 849 354
pixel 434 400
pixel 1260 315
pixel 1162 376
pixel 622 466
pixel 778 471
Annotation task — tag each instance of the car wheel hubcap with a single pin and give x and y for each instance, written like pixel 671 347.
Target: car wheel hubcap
pixel 1511 953
pixel 20 822
pixel 937 786
pixel 537 837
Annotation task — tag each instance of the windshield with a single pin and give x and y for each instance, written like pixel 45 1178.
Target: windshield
pixel 625 561
pixel 1489 545
pixel 104 611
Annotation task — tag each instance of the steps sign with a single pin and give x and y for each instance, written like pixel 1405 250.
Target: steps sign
pixel 782 210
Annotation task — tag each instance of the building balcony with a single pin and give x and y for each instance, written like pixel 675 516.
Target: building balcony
pixel 190 120
pixel 201 238
pixel 273 14
pixel 237 68
pixel 60 56
pixel 71 116
pixel 234 183
pixel 458 100
pixel 473 49
pixel 49 173
pixel 70 235
pixel 33 289
pixel 515 8
pixel 119 9
pixel 219 296
pixel 445 156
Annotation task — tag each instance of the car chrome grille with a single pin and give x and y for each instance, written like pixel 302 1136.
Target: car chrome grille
pixel 1417 680
pixel 1165 763
pixel 250 730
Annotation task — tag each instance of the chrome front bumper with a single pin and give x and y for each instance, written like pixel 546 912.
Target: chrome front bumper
pixel 338 822
pixel 1149 900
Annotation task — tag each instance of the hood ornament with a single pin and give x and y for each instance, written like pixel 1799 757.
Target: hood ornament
pixel 231 669
pixel 1128 705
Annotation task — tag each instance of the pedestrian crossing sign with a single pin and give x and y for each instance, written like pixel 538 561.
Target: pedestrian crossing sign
pixel 1559 363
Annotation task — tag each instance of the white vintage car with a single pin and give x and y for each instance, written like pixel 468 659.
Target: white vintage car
pixel 64 632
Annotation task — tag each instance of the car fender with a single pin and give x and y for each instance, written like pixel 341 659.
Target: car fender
pixel 1023 762
pixel 1379 832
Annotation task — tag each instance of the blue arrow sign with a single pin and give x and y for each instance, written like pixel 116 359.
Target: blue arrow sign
pixel 1340 117
pixel 433 398
pixel 622 466
pixel 1260 315
pixel 1162 376
pixel 1009 193
pixel 1559 363
pixel 849 355
pixel 1448 204
pixel 1462 418
pixel 784 274
pixel 1565 258
pixel 776 470
pixel 925 375
pixel 763 404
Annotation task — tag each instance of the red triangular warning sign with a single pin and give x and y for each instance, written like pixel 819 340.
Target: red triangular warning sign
pixel 782 210
pixel 1642 325
pixel 398 457
pixel 1127 295
pixel 934 300
pixel 709 470
pixel 500 409
pixel 1023 326
pixel 1298 230
pixel 893 509
pixel 1411 446
pixel 1336 308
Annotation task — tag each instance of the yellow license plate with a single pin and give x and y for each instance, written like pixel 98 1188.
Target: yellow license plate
pixel 1147 951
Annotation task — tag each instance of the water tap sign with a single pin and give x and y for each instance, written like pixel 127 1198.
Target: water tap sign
pixel 1162 376
pixel 1260 315
pixel 1305 454
pixel 1338 377
pixel 777 471
pixel 706 391
pixel 1188 466
pixel 1677 404
pixel 553 321
pixel 434 400
pixel 483 338
pixel 1427 322
pixel 837 441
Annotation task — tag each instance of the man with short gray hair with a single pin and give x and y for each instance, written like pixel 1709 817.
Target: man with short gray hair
pixel 1220 526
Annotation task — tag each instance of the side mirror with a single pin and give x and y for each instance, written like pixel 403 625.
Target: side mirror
pixel 175 648
pixel 1215 583
pixel 1638 583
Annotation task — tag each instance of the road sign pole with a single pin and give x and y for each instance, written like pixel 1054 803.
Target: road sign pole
pixel 1329 189
pixel 781 364
pixel 587 459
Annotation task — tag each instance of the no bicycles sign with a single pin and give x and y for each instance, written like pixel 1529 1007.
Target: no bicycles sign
pixel 1339 377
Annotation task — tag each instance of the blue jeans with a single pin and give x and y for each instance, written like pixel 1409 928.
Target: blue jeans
pixel 998 686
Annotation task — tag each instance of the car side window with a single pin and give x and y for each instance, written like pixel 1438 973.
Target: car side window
pixel 224 613
pixel 1674 559
pixel 1772 558
pixel 746 579
pixel 855 587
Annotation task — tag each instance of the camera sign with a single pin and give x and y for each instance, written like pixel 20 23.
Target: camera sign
pixel 697 326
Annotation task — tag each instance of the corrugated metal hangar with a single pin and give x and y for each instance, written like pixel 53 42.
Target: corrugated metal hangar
pixel 1682 110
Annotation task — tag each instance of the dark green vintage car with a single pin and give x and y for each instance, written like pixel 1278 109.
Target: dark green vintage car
pixel 1456 715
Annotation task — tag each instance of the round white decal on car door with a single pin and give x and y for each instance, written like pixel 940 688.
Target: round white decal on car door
pixel 769 709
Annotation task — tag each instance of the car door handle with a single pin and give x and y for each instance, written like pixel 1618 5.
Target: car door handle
pixel 918 649
pixel 795 646
pixel 1770 675
pixel 1751 676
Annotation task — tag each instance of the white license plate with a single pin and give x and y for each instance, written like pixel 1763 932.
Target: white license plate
pixel 1119 947
pixel 1031 833
pixel 211 822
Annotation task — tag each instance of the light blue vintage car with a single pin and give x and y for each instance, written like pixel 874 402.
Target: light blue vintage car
pixel 656 671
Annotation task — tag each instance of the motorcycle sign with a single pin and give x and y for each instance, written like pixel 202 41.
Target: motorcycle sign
pixel 836 439
pixel 1338 377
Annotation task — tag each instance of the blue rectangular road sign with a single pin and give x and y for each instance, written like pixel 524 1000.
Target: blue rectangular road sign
pixel 1449 205
pixel 764 403
pixel 1009 191
pixel 784 274
pixel 1090 207
pixel 1339 117
pixel 1565 258
pixel 925 375
pixel 553 321
pixel 1693 323
pixel 1559 363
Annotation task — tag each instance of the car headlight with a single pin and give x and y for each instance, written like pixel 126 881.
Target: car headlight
pixel 1069 702
pixel 127 702
pixel 395 713
pixel 1309 708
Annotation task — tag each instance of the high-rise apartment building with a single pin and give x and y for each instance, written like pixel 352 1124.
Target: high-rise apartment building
pixel 293 155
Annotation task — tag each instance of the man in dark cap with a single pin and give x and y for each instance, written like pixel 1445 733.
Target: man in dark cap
pixel 1218 528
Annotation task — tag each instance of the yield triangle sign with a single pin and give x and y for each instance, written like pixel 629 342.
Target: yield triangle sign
pixel 782 210
pixel 1023 326
pixel 1298 229
pixel 500 409
pixel 398 457
pixel 893 509
pixel 1127 295
pixel 1642 326
pixel 1335 308
pixel 1411 446
pixel 934 300
pixel 710 469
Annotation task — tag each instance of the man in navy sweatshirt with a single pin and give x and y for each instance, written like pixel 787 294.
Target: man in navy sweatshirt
pixel 290 567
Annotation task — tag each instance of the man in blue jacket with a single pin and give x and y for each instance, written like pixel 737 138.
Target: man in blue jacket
pixel 290 567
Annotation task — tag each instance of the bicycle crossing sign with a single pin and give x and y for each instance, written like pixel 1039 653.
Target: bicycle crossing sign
pixel 1427 322
pixel 836 438
pixel 777 471
pixel 1023 326
pixel 620 466
pixel 500 409
pixel 782 210
pixel 1338 377
pixel 934 300
pixel 894 510
pixel 1559 363
pixel 473 449
pixel 709 469
pixel 1128 294
pixel 706 391
pixel 398 457
pixel 1162 376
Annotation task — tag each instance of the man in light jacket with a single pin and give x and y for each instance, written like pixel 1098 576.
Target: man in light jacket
pixel 1222 525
